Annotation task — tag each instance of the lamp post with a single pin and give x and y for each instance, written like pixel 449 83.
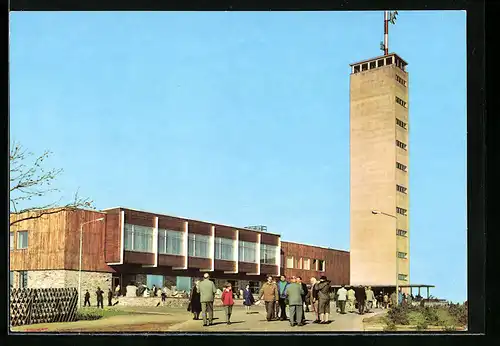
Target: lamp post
pixel 80 266
pixel 377 212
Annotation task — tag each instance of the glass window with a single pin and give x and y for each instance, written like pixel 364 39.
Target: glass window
pixel 402 277
pixel 198 245
pixel 170 242
pixel 138 238
pixel 22 240
pixel 289 262
pixel 321 266
pixel 23 279
pixel 224 249
pixel 268 254
pixel 307 264
pixel 298 263
pixel 247 252
pixel 11 241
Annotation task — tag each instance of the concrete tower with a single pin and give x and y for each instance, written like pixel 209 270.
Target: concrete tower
pixel 379 207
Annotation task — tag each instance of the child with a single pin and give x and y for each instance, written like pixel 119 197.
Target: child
pixel 228 301
pixel 248 299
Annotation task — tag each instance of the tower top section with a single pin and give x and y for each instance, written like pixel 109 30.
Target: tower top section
pixel 377 62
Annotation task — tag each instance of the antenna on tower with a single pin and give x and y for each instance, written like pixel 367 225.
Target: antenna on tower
pixel 389 17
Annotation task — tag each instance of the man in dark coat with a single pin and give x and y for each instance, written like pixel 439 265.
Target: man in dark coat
pixel 110 297
pixel 304 295
pixel 361 299
pixel 100 298
pixel 282 286
pixel 87 299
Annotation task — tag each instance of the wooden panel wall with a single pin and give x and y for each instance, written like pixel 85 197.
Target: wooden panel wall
pixel 248 236
pixel 112 238
pixel 170 261
pixel 138 257
pixel 93 241
pixel 225 265
pixel 269 239
pixel 244 267
pixel 170 223
pixel 139 218
pixel 225 232
pixel 337 262
pixel 46 237
pixel 268 269
pixel 200 263
pixel 202 228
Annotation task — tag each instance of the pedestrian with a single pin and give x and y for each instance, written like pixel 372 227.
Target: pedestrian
pixel 341 298
pixel 400 296
pixel 87 298
pixel 117 291
pixel 380 300
pixel 248 299
pixel 370 298
pixel 386 301
pixel 361 299
pixel 277 305
pixel 227 301
pixel 323 288
pixel 351 296
pixel 294 294
pixel 282 287
pixel 207 294
pixel 304 294
pixel 100 298
pixel 110 297
pixel 269 292
pixel 163 296
pixel 393 299
pixel 314 299
pixel 410 300
pixel 194 301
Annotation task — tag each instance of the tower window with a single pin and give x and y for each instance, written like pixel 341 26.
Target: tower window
pixel 401 123
pixel 401 254
pixel 401 232
pixel 401 166
pixel 401 80
pixel 401 102
pixel 403 277
pixel 373 64
pixel 356 69
pixel 364 67
pixel 401 144
pixel 401 211
pixel 388 61
pixel 401 189
pixel 380 63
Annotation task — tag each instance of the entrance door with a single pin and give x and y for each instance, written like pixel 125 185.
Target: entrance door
pixel 115 281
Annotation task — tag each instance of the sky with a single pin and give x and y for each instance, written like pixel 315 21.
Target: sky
pixel 242 118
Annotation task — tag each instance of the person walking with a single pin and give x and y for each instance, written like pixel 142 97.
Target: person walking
pixel 393 299
pixel 269 292
pixel 227 301
pixel 194 301
pixel 207 294
pixel 341 299
pixel 100 297
pixel 386 301
pixel 294 294
pixel 276 312
pixel 351 296
pixel 87 298
pixel 282 287
pixel 380 300
pixel 361 299
pixel 248 299
pixel 304 295
pixel 323 288
pixel 370 298
pixel 314 299
pixel 117 291
pixel 163 296
pixel 110 297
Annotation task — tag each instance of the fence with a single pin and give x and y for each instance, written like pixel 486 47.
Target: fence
pixel 42 305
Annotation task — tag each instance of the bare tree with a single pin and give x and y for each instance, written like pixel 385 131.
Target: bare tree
pixel 29 180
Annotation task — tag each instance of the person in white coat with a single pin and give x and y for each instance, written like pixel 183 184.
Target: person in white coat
pixel 341 299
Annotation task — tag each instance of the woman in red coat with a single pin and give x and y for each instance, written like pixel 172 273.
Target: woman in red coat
pixel 228 301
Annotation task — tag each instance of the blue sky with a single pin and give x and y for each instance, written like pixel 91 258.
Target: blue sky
pixel 242 118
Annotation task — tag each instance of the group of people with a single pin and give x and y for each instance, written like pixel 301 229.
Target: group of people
pixel 100 298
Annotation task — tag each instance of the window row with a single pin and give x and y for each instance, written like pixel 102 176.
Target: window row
pixel 305 263
pixel 401 254
pixel 401 124
pixel 401 144
pixel 400 166
pixel 401 211
pixel 403 277
pixel 400 102
pixel 401 232
pixel 22 240
pixel 401 188
pixel 401 80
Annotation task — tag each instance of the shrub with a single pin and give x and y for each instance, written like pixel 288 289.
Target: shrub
pixel 431 316
pixel 399 315
pixel 89 314
pixel 459 313
pixel 390 327
pixel 450 328
pixel 422 325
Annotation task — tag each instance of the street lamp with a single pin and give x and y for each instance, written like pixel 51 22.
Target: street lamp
pixel 80 267
pixel 378 212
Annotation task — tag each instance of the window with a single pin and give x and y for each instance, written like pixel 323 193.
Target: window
pixel 401 80
pixel 380 63
pixel 401 189
pixel 364 67
pixel 373 64
pixel 298 263
pixel 224 249
pixel 388 61
pixel 247 252
pixel 401 211
pixel 289 262
pixel 401 123
pixel 267 254
pixel 170 242
pixel 401 166
pixel 356 69
pixel 22 240
pixel 401 254
pixel 138 238
pixel 12 241
pixel 401 232
pixel 401 144
pixel 306 264
pixel 400 102
pixel 198 245
pixel 23 279
pixel 321 265
pixel 403 277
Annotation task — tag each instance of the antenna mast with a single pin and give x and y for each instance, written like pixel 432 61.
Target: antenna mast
pixel 389 17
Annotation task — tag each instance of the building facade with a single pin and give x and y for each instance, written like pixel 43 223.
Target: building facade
pixel 122 246
pixel 379 171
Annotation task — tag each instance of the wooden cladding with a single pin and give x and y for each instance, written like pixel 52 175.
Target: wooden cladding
pixel 138 257
pixel 248 236
pixel 170 261
pixel 225 265
pixel 200 263
pixel 225 232
pixel 199 228
pixel 112 236
pixel 268 269
pixel 244 267
pixel 139 218
pixel 170 223
pixel 269 239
